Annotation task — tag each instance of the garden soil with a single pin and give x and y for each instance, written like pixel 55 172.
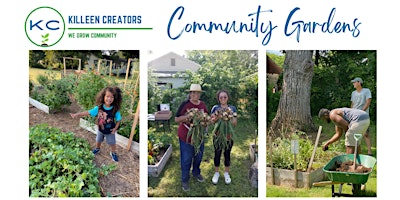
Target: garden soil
pixel 121 182
pixel 348 167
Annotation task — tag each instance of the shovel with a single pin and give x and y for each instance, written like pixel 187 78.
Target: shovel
pixel 357 137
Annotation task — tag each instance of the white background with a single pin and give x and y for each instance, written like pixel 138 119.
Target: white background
pixel 379 30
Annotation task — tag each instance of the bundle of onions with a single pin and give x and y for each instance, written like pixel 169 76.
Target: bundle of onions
pixel 223 129
pixel 199 120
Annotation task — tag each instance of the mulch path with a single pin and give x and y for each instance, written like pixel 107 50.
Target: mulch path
pixel 121 182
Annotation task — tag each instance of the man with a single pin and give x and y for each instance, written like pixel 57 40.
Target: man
pixel 361 99
pixel 348 120
pixel 189 159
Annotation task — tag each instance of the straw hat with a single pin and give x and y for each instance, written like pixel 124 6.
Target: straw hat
pixel 195 88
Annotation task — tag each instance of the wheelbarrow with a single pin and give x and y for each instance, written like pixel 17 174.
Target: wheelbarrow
pixel 353 178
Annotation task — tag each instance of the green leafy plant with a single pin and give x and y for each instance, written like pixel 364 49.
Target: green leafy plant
pixel 126 128
pixel 88 86
pixel 199 120
pixel 223 131
pixel 283 158
pixel 55 93
pixel 60 165
pixel 156 144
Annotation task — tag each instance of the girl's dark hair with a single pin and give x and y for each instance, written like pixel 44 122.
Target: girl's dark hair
pixel 117 97
pixel 221 91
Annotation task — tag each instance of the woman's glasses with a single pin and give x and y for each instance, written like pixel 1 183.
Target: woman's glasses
pixel 223 97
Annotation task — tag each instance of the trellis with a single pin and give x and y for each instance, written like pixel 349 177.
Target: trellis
pixel 135 94
pixel 99 62
pixel 65 65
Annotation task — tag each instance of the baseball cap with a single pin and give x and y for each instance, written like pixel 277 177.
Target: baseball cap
pixel 357 80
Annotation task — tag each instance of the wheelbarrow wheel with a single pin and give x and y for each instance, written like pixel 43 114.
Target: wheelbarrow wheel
pixel 356 190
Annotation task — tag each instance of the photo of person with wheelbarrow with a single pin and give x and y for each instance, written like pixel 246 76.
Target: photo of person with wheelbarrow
pixel 349 120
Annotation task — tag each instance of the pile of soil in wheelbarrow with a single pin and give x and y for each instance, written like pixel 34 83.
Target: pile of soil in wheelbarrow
pixel 348 167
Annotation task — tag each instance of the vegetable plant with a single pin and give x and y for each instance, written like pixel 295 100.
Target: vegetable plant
pixel 88 86
pixel 53 92
pixel 61 165
pixel 199 120
pixel 223 131
pixel 155 145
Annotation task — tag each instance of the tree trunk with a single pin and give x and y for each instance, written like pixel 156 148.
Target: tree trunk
pixel 294 111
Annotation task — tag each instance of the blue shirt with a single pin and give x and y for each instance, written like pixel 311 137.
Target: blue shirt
pixel 94 111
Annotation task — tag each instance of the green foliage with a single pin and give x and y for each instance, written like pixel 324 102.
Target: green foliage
pixel 155 144
pixel 60 164
pixel 88 86
pixel 43 79
pixel 157 138
pixel 338 68
pixel 283 158
pixel 333 69
pixel 126 128
pixel 31 86
pixel 35 56
pixel 53 92
pixel 272 102
pixel 234 71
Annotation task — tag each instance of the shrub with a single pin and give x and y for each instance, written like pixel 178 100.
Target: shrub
pixel 282 156
pixel 53 92
pixel 88 86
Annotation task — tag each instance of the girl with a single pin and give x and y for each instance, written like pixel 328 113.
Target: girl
pixel 108 102
pixel 222 98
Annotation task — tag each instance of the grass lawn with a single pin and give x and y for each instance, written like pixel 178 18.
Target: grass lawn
pixel 35 72
pixel 168 184
pixel 325 191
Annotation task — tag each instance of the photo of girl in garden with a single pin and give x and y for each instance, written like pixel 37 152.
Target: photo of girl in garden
pixel 225 116
pixel 78 99
pixel 108 102
pixel 227 129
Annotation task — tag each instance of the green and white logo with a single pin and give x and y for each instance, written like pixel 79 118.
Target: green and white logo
pixel 44 26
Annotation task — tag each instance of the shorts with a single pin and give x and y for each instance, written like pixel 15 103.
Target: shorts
pixel 356 127
pixel 110 138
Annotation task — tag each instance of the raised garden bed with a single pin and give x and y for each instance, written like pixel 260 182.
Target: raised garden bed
pixel 121 140
pixel 285 177
pixel 253 151
pixel 155 170
pixel 39 105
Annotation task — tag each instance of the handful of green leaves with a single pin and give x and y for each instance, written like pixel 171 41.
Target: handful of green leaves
pixel 223 131
pixel 199 120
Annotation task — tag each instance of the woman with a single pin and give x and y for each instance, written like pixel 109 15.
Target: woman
pixel 222 98
pixel 188 156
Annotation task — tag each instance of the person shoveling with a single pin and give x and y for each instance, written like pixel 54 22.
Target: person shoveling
pixel 348 120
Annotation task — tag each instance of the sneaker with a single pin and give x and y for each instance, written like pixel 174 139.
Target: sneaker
pixel 215 178
pixel 185 186
pixel 96 150
pixel 200 178
pixel 227 178
pixel 114 156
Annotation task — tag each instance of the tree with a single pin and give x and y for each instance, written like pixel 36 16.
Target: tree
pixel 235 71
pixel 294 111
pixel 35 56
